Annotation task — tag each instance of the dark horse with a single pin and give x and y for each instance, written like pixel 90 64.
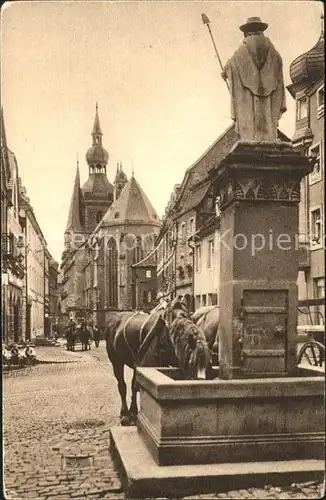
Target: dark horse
pixel 163 338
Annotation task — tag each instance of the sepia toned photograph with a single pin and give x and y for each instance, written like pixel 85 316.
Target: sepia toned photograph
pixel 162 250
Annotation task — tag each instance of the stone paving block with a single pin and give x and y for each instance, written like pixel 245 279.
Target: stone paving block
pixel 262 493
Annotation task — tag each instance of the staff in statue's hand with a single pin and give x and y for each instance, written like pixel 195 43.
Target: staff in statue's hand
pixel 206 21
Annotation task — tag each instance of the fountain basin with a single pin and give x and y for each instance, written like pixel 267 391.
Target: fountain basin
pixel 222 421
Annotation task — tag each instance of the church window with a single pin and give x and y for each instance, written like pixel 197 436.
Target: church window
pixel 302 108
pixel 148 273
pixel 112 273
pixel 99 216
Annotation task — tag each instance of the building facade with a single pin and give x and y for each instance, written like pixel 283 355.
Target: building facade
pixel 145 283
pixel 206 244
pixel 124 237
pixel 110 228
pixel 307 74
pixel 88 205
pixel 12 267
pixel 36 283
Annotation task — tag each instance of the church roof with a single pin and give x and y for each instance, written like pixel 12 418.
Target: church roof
pixel 98 185
pixel 132 207
pixel 74 222
pixel 120 176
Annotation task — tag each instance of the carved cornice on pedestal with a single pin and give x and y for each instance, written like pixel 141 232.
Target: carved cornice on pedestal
pixel 261 172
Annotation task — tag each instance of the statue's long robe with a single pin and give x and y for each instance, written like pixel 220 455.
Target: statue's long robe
pixel 255 75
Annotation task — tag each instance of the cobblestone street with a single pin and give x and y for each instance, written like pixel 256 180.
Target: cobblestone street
pixel 56 427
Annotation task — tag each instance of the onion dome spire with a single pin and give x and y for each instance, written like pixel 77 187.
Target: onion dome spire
pixel 97 132
pixel 97 157
pixel 309 67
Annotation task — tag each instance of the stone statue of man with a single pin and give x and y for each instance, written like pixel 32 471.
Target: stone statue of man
pixel 255 76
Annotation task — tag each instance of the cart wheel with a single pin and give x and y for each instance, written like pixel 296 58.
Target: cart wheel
pixel 312 353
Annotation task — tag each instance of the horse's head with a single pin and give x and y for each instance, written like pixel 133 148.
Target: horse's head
pixel 190 346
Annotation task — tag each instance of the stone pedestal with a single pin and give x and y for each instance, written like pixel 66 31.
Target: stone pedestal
pixel 259 189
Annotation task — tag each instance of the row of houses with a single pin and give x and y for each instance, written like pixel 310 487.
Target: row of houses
pixel 29 274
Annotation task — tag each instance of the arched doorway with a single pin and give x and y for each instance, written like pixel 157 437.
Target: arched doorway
pixel 111 257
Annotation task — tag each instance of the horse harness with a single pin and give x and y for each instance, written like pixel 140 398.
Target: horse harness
pixel 141 340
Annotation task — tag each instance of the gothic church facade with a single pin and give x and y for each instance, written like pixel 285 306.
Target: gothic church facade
pixel 110 227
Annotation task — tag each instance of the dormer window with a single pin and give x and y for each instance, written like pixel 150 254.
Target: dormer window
pixel 302 108
pixel 320 101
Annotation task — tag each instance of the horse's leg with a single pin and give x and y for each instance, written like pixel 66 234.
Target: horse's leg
pixel 118 369
pixel 133 407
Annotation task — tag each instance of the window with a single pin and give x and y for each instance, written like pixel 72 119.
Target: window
pixel 315 155
pixel 218 206
pixel 203 297
pixel 214 299
pixel 210 257
pixel 198 258
pixel 191 226
pixel 149 296
pixel 302 108
pixel 148 273
pixel 316 226
pixel 197 302
pixel 183 232
pixel 319 295
pixel 320 101
pixel 99 216
pixel 319 285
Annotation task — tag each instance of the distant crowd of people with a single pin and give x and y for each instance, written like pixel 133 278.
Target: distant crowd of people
pixel 83 333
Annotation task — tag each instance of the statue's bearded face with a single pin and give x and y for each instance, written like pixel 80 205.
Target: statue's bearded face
pixel 252 33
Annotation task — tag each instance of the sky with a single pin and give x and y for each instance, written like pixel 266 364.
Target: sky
pixel 152 69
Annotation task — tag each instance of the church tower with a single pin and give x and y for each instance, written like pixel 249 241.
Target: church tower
pixel 75 223
pixel 97 191
pixel 120 181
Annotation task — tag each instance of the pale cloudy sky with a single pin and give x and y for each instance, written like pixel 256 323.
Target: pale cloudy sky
pixel 150 65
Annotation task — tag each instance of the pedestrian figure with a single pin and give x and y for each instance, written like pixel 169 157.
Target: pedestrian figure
pixel 97 335
pixel 85 336
pixel 70 335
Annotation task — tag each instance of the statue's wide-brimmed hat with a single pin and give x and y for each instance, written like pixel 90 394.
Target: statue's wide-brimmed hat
pixel 254 24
